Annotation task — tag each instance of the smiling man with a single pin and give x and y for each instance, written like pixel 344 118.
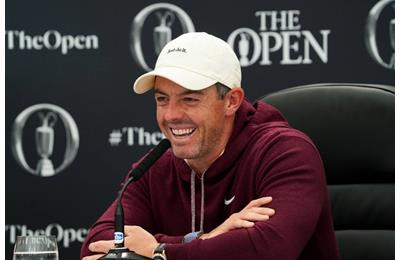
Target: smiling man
pixel 198 123
pixel 207 196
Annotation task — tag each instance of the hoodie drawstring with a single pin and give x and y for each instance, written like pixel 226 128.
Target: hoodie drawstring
pixel 193 201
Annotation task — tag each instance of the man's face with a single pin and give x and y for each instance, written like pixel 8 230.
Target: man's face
pixel 194 121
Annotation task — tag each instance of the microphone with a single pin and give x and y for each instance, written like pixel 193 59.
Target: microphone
pixel 120 251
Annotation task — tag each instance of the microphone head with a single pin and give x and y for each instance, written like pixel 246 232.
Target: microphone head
pixel 164 144
pixel 156 153
pixel 150 159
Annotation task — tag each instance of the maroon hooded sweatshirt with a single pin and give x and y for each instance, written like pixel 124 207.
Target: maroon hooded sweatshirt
pixel 264 157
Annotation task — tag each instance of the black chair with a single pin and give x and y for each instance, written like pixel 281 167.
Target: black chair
pixel 353 128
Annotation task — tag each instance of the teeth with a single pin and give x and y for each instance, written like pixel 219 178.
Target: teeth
pixel 186 131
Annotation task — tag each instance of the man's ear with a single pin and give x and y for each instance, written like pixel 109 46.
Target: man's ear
pixel 234 99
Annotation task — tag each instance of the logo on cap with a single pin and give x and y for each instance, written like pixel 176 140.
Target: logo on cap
pixel 177 50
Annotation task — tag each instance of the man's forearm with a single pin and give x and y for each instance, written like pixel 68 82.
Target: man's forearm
pixel 103 232
pixel 162 238
pixel 259 242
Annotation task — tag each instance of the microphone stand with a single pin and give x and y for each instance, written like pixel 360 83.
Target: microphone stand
pixel 120 251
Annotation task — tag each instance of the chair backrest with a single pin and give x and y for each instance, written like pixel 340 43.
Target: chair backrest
pixel 353 128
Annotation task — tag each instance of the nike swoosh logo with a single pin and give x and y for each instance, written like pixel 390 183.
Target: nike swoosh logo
pixel 227 202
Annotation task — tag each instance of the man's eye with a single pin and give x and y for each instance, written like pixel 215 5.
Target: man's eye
pixel 161 100
pixel 190 100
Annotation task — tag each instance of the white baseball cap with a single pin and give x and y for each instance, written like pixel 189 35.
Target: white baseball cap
pixel 195 61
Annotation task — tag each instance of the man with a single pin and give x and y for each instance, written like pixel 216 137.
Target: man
pixel 206 197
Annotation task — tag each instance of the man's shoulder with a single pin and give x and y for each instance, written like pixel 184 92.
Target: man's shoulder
pixel 278 129
pixel 271 134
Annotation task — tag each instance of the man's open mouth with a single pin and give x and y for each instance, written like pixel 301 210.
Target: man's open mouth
pixel 182 132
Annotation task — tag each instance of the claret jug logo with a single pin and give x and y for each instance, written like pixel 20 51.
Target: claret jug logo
pixel 376 23
pixel 47 116
pixel 166 17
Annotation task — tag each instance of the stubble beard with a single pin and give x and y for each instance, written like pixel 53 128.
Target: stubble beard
pixel 203 147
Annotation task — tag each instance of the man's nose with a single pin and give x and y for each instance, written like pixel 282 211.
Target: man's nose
pixel 173 112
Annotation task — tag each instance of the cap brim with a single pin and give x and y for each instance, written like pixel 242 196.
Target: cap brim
pixel 187 79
